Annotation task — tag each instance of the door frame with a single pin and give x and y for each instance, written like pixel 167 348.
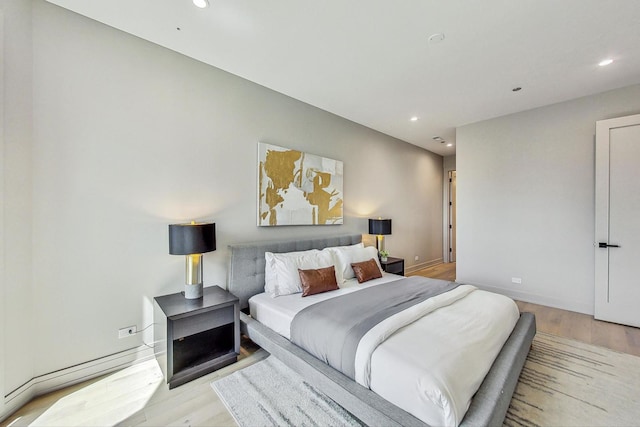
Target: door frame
pixel 451 218
pixel 602 310
pixel 449 165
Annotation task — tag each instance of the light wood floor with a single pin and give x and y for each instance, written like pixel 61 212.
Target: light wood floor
pixel 196 403
pixel 583 327
pixel 444 271
pixel 192 404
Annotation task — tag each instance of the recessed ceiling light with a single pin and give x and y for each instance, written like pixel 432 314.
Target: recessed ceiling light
pixel 605 62
pixel 449 145
pixel 414 119
pixel 436 38
pixel 201 3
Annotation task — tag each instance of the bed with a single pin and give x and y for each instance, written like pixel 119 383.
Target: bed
pixel 489 404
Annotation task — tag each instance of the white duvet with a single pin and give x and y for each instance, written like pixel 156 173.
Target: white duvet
pixel 429 359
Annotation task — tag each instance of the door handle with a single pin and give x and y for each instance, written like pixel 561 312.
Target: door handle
pixel 606 245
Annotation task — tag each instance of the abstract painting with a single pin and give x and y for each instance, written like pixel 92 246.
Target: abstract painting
pixel 296 188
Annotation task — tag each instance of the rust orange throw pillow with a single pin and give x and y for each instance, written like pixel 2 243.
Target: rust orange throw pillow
pixel 366 270
pixel 318 281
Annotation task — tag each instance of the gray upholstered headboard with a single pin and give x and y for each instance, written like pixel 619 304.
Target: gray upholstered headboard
pixel 246 272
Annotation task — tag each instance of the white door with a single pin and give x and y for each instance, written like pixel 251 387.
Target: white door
pixel 617 245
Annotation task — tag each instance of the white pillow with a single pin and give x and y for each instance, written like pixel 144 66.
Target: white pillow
pixel 340 254
pixel 281 270
pixel 343 256
pixel 275 261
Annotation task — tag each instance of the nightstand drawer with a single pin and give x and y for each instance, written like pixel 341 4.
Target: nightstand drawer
pixel 202 322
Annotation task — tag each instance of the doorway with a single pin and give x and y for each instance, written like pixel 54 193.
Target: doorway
pixel 617 236
pixel 451 226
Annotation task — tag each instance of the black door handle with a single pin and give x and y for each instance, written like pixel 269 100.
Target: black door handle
pixel 606 245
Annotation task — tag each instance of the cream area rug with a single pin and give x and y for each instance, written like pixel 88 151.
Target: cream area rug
pixel 569 383
pixel 564 383
pixel 269 393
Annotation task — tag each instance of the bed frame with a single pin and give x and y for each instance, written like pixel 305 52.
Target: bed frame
pixel 488 407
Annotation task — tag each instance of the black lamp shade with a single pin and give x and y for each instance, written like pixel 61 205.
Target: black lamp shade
pixel 188 239
pixel 380 226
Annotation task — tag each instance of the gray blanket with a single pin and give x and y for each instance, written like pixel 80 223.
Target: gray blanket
pixel 332 329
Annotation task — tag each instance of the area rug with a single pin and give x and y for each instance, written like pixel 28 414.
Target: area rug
pixel 570 383
pixel 268 393
pixel 563 383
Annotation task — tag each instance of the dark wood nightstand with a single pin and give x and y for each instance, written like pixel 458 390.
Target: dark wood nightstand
pixel 393 265
pixel 196 336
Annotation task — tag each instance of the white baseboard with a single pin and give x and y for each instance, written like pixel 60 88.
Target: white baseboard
pixel 577 306
pixel 422 265
pixel 68 376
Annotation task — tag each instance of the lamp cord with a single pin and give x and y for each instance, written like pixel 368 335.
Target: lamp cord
pixel 142 330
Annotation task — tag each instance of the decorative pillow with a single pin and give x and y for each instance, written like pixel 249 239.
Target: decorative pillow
pixel 366 270
pixel 344 256
pixel 318 281
pixel 281 270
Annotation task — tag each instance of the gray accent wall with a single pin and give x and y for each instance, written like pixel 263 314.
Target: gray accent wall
pixel 115 139
pixel 526 200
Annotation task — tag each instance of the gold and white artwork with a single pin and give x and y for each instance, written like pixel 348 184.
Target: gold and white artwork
pixel 296 188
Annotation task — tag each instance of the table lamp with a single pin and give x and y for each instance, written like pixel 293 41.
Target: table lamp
pixel 380 227
pixel 192 240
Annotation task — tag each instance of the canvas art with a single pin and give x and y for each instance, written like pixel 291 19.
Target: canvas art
pixel 296 188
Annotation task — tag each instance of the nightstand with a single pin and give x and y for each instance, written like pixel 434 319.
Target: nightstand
pixel 196 336
pixel 393 265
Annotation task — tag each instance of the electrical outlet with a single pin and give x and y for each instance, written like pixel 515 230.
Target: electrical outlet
pixel 517 280
pixel 127 332
pixel 416 258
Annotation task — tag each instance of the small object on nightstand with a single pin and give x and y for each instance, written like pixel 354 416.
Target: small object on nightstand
pixel 393 265
pixel 196 336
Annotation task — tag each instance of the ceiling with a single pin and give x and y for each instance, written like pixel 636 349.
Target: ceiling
pixel 371 61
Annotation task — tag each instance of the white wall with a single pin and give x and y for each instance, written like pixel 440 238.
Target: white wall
pixel 2 298
pixel 16 239
pixel 129 137
pixel 526 199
